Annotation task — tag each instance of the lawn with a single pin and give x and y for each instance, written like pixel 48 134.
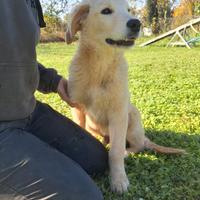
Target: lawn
pixel 165 85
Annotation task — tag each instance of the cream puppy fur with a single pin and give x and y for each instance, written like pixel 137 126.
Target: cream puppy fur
pixel 98 81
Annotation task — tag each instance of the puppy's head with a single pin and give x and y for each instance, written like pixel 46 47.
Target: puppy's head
pixel 105 22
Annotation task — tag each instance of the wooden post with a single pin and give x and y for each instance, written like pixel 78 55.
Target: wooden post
pixel 171 39
pixel 187 45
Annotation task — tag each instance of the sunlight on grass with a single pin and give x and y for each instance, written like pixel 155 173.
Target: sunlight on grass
pixel 143 155
pixel 164 84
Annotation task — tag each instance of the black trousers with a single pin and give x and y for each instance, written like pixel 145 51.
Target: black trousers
pixel 47 156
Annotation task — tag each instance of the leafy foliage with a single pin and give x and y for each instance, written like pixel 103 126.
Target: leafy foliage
pixel 55 7
pixel 187 10
pixel 158 14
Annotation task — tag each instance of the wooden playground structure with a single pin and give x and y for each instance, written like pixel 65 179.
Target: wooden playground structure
pixel 179 33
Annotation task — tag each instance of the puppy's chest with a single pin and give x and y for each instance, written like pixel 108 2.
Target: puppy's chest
pixel 100 86
pixel 107 93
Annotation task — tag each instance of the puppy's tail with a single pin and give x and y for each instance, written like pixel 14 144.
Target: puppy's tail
pixel 161 149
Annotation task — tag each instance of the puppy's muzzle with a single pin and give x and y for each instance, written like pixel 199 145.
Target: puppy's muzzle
pixel 134 28
pixel 134 25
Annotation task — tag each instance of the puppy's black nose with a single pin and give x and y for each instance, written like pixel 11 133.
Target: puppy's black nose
pixel 134 25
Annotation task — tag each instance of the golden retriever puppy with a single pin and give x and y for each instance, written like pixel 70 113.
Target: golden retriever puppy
pixel 98 81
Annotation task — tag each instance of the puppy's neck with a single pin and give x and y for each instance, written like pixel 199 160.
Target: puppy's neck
pixel 93 52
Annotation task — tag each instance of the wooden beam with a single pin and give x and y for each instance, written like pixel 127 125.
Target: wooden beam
pixel 169 33
pixel 184 42
pixel 171 39
pixel 192 27
pixel 174 31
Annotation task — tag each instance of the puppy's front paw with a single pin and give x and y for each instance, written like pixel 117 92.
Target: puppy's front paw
pixel 119 183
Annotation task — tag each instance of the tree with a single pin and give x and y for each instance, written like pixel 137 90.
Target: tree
pixel 158 14
pixel 188 7
pixel 165 13
pixel 55 7
pixel 186 10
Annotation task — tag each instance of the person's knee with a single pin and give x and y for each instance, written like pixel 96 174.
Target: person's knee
pixel 99 160
pixel 101 164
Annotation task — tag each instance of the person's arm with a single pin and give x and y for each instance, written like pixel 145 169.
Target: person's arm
pixel 50 81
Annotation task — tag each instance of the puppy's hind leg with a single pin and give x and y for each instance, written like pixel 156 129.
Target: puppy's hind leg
pixel 78 116
pixel 135 133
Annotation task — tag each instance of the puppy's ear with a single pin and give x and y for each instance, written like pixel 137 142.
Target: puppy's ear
pixel 79 14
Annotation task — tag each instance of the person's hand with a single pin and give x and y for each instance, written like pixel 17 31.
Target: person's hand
pixel 63 93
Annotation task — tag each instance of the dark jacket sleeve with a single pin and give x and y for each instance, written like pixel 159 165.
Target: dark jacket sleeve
pixel 49 79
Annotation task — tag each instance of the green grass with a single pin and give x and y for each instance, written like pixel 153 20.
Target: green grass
pixel 165 85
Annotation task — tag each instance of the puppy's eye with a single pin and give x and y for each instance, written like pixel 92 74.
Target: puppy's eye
pixel 129 10
pixel 106 11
